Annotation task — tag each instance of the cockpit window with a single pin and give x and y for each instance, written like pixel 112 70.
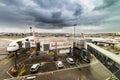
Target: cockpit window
pixel 31 40
pixel 27 39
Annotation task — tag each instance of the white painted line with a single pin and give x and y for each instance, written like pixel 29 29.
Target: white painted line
pixel 9 73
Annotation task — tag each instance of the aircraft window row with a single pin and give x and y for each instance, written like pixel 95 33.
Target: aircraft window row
pixel 27 39
pixel 31 40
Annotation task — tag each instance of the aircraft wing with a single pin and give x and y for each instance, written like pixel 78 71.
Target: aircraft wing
pixel 6 39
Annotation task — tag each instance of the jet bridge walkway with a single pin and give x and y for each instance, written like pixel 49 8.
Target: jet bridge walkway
pixel 108 59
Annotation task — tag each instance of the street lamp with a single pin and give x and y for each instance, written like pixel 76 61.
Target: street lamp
pixel 31 31
pixel 72 53
pixel 56 52
pixel 74 29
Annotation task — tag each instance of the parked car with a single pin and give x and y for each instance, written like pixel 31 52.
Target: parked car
pixel 59 64
pixel 70 61
pixel 34 68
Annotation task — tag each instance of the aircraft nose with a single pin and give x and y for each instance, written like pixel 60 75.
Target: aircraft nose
pixel 8 49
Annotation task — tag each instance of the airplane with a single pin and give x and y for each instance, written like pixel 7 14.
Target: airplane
pixel 94 40
pixel 18 44
pixel 21 43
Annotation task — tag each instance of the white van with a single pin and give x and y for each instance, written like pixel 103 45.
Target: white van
pixel 35 67
pixel 70 61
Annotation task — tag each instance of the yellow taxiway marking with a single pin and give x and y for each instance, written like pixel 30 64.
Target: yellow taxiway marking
pixel 6 62
pixel 9 60
pixel 2 58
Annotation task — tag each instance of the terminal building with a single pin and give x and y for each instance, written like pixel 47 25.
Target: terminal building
pixel 62 45
pixel 108 59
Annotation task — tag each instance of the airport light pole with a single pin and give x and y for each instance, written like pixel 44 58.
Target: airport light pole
pixel 16 56
pixel 74 29
pixel 56 52
pixel 72 53
pixel 30 30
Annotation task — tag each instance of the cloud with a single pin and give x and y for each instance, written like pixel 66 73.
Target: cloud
pixel 106 4
pixel 57 14
pixel 91 28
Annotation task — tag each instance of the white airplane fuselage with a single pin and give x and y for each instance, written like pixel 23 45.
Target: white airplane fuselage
pixel 102 40
pixel 13 46
pixel 20 43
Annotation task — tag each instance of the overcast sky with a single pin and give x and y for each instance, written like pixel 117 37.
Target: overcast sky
pixel 60 15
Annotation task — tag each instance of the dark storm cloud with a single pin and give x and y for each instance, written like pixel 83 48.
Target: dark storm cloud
pixel 12 2
pixel 54 13
pixel 78 10
pixel 11 13
pixel 50 3
pixel 54 18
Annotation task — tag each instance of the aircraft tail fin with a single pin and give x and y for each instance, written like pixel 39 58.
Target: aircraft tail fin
pixel 33 34
pixel 113 36
pixel 83 35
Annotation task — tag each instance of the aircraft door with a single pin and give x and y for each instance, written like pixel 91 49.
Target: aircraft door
pixel 20 44
pixel 38 46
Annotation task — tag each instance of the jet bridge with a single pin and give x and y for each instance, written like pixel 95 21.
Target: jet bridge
pixel 108 59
